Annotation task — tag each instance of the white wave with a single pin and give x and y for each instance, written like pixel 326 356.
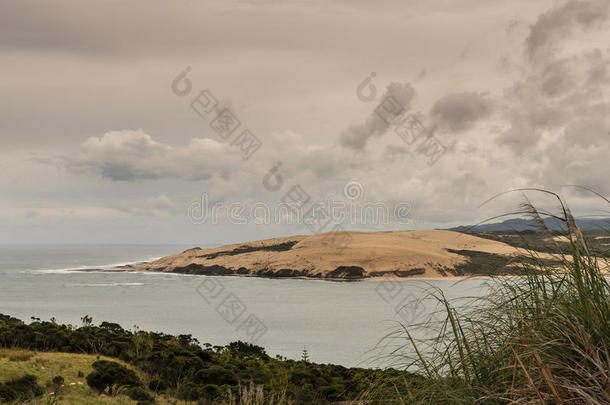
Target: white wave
pixel 104 285
pixel 89 268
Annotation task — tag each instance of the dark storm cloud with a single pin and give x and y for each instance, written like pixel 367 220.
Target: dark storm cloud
pixel 459 111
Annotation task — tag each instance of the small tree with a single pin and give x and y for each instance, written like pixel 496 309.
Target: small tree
pixel 58 382
pixel 111 376
pixel 86 320
pixel 25 387
pixel 305 355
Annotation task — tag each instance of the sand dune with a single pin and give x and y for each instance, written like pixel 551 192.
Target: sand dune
pixel 344 255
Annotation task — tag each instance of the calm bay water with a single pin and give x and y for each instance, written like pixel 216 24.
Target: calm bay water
pixel 336 322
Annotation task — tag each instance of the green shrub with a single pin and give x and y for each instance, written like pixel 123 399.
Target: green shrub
pixel 25 387
pixel 7 394
pixel 212 391
pixel 218 375
pixel 139 394
pixel 247 349
pixel 111 376
pixel 157 385
pixel 190 392
pixel 58 381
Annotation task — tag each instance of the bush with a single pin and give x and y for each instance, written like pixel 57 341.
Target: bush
pixel 157 385
pixel 212 391
pixel 216 375
pixel 58 381
pixel 25 387
pixel 111 376
pixel 247 349
pixel 7 393
pixel 190 392
pixel 139 394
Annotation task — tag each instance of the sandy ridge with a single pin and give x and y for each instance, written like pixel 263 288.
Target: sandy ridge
pixel 365 255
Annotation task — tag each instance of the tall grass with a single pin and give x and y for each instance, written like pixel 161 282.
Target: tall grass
pixel 543 338
pixel 255 395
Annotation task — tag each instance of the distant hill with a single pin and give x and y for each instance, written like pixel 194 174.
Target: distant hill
pixel 524 225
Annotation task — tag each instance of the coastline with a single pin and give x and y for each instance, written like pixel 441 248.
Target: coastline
pixel 329 279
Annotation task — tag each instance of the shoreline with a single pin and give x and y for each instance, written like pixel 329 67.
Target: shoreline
pixel 329 279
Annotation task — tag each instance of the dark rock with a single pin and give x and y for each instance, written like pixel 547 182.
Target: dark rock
pixel 347 272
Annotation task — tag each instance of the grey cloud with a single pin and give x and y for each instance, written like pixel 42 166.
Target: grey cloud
pixel 556 96
pixel 133 155
pixel 590 130
pixel 357 136
pixel 513 25
pixel 558 93
pixel 459 111
pixel 557 23
pixel 573 160
pixel 556 79
pixel 393 152
pixel 599 69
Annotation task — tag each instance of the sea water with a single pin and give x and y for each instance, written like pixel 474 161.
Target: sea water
pixel 336 322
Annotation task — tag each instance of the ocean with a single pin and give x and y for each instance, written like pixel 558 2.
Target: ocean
pixel 336 322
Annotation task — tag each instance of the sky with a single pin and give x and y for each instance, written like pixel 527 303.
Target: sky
pixel 200 121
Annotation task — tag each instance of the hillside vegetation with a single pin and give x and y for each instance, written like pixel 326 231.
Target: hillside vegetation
pixel 179 367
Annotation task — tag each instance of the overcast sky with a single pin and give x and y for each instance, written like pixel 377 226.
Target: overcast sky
pixel 98 145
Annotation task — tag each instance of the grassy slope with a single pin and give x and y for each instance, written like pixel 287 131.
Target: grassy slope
pixel 16 363
pixel 597 241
